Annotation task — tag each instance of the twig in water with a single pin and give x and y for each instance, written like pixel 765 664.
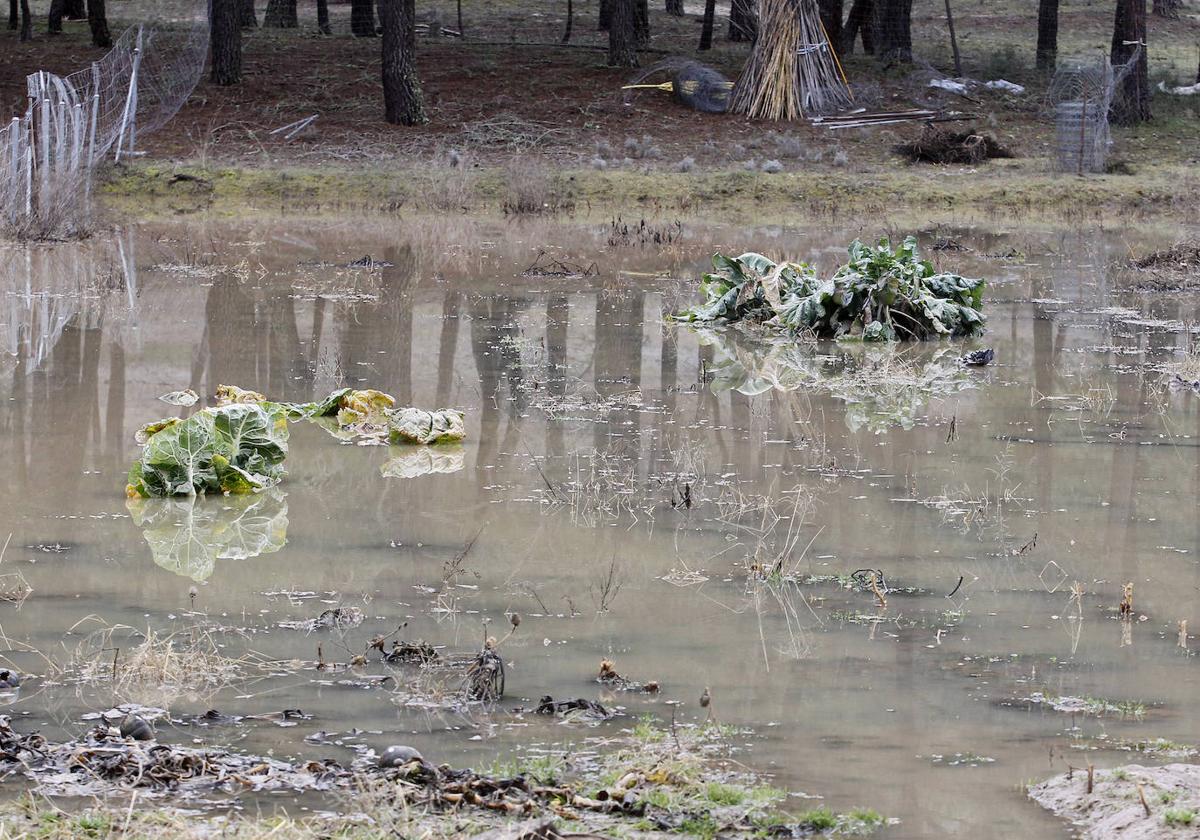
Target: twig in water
pixel 957 586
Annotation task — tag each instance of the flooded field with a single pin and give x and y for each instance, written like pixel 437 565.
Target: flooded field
pixel 901 579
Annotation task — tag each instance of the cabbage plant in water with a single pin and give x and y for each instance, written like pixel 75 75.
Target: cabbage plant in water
pixel 880 294
pixel 236 448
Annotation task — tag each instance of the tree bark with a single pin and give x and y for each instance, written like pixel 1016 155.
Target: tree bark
pixel 14 14
pixel 75 9
pixel 281 14
pixel 622 34
pixel 860 22
pixel 54 23
pixel 98 23
pixel 893 30
pixel 706 29
pixel 642 22
pixel 362 18
pixel 831 19
pixel 743 22
pixel 323 17
pixel 1131 104
pixel 604 16
pixel 570 21
pixel 247 18
pixel 1047 37
pixel 401 89
pixel 675 7
pixel 1166 9
pixel 26 21
pixel 226 42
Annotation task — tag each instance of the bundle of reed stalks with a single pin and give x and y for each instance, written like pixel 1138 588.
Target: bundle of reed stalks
pixel 793 71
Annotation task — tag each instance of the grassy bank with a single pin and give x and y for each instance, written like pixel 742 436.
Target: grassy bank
pixel 1006 189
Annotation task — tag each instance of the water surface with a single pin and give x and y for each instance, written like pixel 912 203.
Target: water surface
pixel 1067 463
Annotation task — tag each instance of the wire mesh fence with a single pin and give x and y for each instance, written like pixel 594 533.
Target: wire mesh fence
pixel 74 122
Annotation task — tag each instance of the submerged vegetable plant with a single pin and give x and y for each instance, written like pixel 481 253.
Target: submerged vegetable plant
pixel 239 445
pixel 881 294
pixel 236 448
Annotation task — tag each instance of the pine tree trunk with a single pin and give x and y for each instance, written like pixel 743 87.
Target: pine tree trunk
pixel 570 21
pixel 14 14
pixel 622 34
pixel 75 10
pixel 706 29
pixel 860 22
pixel 743 22
pixel 54 23
pixel 226 42
pixel 323 17
pixel 675 7
pixel 604 17
pixel 831 19
pixel 893 30
pixel 642 22
pixel 1131 103
pixel 98 23
pixel 281 14
pixel 1047 37
pixel 26 21
pixel 401 89
pixel 362 18
pixel 247 18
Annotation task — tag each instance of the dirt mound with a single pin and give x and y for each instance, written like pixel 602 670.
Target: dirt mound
pixel 1182 257
pixel 1131 802
pixel 938 146
pixel 1171 269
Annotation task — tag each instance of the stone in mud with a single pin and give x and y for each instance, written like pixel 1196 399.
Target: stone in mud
pixel 399 755
pixel 137 728
pixel 1114 807
pixel 9 679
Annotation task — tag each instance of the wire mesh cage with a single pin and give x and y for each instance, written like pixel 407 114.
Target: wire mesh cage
pixel 1081 93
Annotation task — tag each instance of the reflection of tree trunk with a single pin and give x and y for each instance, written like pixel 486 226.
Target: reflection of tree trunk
pixel 114 422
pixel 398 282
pixel 447 346
pixel 558 317
pixel 285 361
pixel 229 318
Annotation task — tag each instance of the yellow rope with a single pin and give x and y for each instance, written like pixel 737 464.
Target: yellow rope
pixel 667 86
pixel 836 60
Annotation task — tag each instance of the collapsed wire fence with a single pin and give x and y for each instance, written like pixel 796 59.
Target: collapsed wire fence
pixel 73 123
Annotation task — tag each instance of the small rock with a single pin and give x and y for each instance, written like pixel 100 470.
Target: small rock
pixel 398 756
pixel 137 728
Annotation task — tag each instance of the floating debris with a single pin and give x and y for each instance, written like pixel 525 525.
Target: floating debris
pixel 979 358
pixel 337 618
pixel 185 398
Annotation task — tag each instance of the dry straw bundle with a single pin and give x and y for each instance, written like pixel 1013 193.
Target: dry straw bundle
pixel 793 71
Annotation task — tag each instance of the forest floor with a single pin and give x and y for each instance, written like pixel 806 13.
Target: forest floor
pixel 519 122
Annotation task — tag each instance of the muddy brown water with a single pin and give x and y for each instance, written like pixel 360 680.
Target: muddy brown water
pixel 919 710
